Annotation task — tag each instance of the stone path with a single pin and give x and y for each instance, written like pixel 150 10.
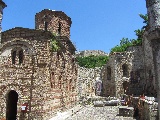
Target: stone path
pixel 98 113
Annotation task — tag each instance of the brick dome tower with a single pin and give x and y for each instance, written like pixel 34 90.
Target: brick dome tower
pixel 54 21
pixel 153 10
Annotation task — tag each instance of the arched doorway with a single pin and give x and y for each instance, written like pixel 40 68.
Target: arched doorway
pixel 11 106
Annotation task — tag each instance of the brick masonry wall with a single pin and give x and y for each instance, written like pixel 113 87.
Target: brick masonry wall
pixel 33 79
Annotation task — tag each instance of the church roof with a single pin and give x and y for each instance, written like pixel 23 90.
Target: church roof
pixel 25 33
pixel 32 34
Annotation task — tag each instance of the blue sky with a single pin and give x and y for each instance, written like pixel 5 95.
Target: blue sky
pixel 96 24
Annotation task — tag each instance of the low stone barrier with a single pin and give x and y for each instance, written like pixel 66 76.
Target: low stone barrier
pixel 126 111
pixel 148 110
pixel 147 107
pixel 98 104
pixel 112 102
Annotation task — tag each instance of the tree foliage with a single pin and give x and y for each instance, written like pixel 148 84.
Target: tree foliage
pixel 125 42
pixel 92 61
pixel 145 19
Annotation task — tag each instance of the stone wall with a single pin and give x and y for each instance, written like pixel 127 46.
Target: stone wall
pixel 137 74
pixel 87 80
pixel 151 83
pixel 109 80
pixel 125 71
pixel 148 110
pixel 147 106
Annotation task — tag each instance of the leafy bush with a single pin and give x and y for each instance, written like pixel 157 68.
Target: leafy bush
pixel 92 61
pixel 55 44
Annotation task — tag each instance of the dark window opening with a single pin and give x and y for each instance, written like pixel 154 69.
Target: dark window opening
pixel 108 73
pixel 125 70
pixel 13 57
pixel 59 29
pixel 52 80
pixel 20 56
pixel 135 76
pixel 46 26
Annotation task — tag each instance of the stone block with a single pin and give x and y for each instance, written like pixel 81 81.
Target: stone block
pixel 126 111
pixel 98 104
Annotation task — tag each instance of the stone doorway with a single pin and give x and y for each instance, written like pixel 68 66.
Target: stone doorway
pixel 11 105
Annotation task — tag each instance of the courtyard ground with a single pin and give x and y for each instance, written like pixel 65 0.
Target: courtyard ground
pixel 90 112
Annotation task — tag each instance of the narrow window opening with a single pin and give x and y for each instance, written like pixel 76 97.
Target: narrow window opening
pixel 125 70
pixel 108 73
pixel 20 56
pixel 59 29
pixel 13 57
pixel 46 26
pixel 52 80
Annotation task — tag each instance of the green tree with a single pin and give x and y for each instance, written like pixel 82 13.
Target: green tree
pixel 125 42
pixel 92 61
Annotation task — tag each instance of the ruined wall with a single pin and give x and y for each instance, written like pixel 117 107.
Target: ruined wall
pixel 132 81
pixel 88 77
pixel 87 80
pixel 137 79
pixel 120 60
pixel 108 77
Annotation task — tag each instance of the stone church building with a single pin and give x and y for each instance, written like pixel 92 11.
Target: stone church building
pixel 37 80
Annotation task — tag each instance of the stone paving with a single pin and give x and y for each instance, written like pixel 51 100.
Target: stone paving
pixel 98 113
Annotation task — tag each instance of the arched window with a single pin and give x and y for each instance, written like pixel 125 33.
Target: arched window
pixel 108 73
pixel 17 53
pixel 125 70
pixel 13 57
